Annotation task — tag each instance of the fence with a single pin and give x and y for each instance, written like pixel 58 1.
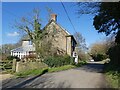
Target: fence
pixel 5 65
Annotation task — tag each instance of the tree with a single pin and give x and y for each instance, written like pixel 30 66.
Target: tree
pixel 32 27
pixel 98 51
pixel 88 7
pixel 80 41
pixel 81 46
pixel 107 16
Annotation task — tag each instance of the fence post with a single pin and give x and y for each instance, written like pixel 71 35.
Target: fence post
pixel 14 65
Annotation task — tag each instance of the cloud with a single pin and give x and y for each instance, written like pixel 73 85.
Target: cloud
pixel 13 34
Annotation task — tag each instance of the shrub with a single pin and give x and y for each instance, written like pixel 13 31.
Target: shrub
pixel 31 56
pixel 12 57
pixel 65 67
pixel 99 57
pixel 56 61
pixel 114 55
pixel 32 72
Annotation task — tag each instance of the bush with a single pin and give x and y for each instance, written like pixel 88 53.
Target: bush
pixel 12 57
pixel 32 72
pixel 99 57
pixel 112 73
pixel 31 56
pixel 57 61
pixel 114 55
pixel 65 67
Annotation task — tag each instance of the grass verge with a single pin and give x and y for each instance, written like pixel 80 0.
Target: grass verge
pixel 45 70
pixel 112 74
pixel 42 71
pixel 56 69
pixel 32 72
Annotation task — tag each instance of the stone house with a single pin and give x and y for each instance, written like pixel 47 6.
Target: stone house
pixel 62 40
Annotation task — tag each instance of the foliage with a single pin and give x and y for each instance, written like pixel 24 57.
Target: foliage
pixel 112 69
pixel 65 67
pixel 93 7
pixel 82 56
pixel 31 56
pixel 5 50
pixel 99 57
pixel 83 62
pixel 108 18
pixel 114 55
pixel 98 51
pixel 112 73
pixel 12 57
pixel 80 41
pixel 57 61
pixel 32 72
pixel 42 71
pixel 40 38
pixel 81 47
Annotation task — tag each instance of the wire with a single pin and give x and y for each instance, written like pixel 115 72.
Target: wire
pixel 11 13
pixel 68 16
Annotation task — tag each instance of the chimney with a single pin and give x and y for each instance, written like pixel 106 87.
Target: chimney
pixel 53 17
pixel 25 42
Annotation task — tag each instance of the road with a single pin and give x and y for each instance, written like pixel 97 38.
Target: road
pixel 88 76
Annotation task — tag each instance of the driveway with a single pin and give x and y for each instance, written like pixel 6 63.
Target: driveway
pixel 88 76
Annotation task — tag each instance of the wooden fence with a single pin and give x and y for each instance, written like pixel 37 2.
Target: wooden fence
pixel 6 65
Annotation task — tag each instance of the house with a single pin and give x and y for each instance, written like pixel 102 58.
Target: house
pixel 63 41
pixel 26 49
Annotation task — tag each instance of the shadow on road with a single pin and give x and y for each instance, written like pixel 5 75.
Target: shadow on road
pixel 92 67
pixel 49 81
pixel 46 81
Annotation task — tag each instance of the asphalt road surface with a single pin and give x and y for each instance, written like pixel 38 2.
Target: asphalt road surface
pixel 88 76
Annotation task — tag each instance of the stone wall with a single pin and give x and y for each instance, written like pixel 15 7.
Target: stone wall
pixel 23 66
pixel 60 41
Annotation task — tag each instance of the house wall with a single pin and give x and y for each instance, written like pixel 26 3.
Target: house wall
pixel 19 54
pixel 59 39
pixel 69 47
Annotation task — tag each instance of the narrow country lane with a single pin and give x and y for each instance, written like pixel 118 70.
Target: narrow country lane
pixel 88 76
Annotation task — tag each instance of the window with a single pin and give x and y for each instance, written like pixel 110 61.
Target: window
pixel 30 42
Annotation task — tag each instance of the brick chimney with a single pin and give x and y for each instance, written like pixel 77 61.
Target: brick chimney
pixel 53 17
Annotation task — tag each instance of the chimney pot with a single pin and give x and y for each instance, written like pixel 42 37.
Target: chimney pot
pixel 54 17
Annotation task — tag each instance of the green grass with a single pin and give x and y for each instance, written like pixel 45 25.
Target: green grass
pixel 56 69
pixel 32 72
pixel 42 71
pixel 112 75
pixel 113 79
pixel 47 70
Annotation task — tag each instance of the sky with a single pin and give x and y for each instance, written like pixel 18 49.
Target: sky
pixel 13 11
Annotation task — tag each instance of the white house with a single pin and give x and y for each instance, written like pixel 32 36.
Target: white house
pixel 26 49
